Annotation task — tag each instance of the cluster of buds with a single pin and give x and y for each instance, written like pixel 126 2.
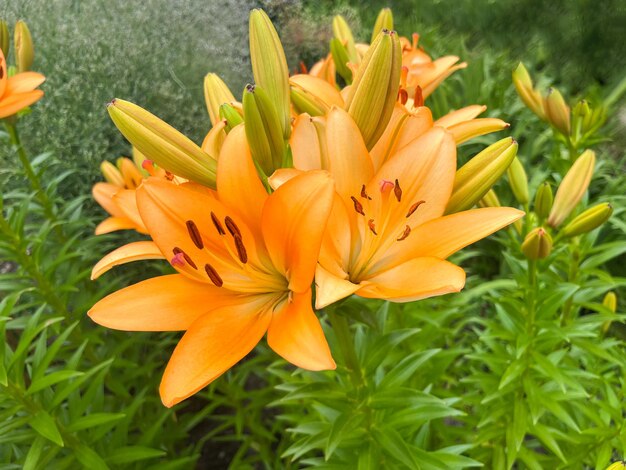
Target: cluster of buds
pixel 576 125
pixel 22 45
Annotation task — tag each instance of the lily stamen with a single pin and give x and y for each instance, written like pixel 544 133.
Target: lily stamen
pixel 194 234
pixel 397 190
pixel 178 251
pixel 414 207
pixel 358 207
pixel 232 227
pixel 213 275
pixel 217 223
pixel 370 224
pixel 241 249
pixel 407 231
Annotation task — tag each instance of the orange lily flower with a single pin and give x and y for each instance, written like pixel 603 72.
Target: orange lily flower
pixel 245 263
pixel 387 236
pixel 19 91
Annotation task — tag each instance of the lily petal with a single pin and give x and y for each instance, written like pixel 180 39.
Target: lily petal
pixel 414 280
pixel 103 194
pixel 331 288
pixel 305 144
pixel 460 115
pixel 16 102
pixel 24 82
pixel 126 200
pixel 113 224
pixel 296 335
pixel 212 345
pixel 164 303
pixel 135 251
pixel 294 219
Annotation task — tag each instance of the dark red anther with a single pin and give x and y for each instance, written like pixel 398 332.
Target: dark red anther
pixel 403 96
pixel 218 225
pixel 190 262
pixel 194 234
pixel 370 224
pixel 303 68
pixel 397 190
pixel 213 275
pixel 414 207
pixel 232 227
pixel 407 231
pixel 241 250
pixel 364 193
pixel 358 207
pixel 418 100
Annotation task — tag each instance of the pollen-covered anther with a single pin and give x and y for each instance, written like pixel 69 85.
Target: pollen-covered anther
pixel 397 190
pixel 372 226
pixel 217 223
pixel 407 231
pixel 213 275
pixel 178 260
pixel 194 234
pixel 178 251
pixel 418 100
pixel 241 249
pixel 414 207
pixel 403 96
pixel 364 194
pixel 232 227
pixel 358 207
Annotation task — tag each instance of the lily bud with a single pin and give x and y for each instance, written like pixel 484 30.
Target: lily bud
pixel 112 174
pixel 589 220
pixel 383 21
pixel 374 91
pixel 490 199
pixel 231 115
pixel 163 144
pixel 474 179
pixel 139 159
pixel 263 129
pixel 537 244
pixel 543 200
pixel 313 95
pixel 524 86
pixel 557 112
pixel 518 181
pixel 610 302
pixel 269 66
pixel 24 51
pixel 341 59
pixel 216 93
pixel 4 39
pixel 343 34
pixel 572 188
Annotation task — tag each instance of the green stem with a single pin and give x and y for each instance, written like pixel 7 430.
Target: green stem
pixel 571 277
pixel 531 294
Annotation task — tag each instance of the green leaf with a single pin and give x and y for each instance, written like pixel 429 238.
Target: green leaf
pixel 94 419
pixel 393 444
pixel 336 433
pixel 34 453
pixel 129 454
pixel 45 425
pixel 406 368
pixel 512 372
pixel 51 379
pixel 544 434
pixel 89 458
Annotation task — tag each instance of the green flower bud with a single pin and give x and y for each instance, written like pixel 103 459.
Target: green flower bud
pixel 490 200
pixel 263 129
pixel 557 111
pixel 518 181
pixel 374 92
pixel 341 59
pixel 24 51
pixel 474 179
pixel 610 302
pixel 537 244
pixel 524 87
pixel 4 39
pixel 589 220
pixel 216 93
pixel 343 34
pixel 231 115
pixel 269 66
pixel 383 21
pixel 543 200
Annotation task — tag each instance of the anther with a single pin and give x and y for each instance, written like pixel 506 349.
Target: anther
pixel 418 100
pixel 190 262
pixel 403 96
pixel 370 224
pixel 218 225
pixel 358 207
pixel 364 193
pixel 194 234
pixel 405 234
pixel 414 207
pixel 397 190
pixel 232 227
pixel 241 250
pixel 213 275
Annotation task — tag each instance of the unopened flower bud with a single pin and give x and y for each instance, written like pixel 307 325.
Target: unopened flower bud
pixel 383 21
pixel 557 111
pixel 374 91
pixel 537 244
pixel 231 115
pixel 163 144
pixel 24 51
pixel 4 39
pixel 111 174
pixel 518 181
pixel 216 93
pixel 343 34
pixel 341 59
pixel 313 95
pixel 139 159
pixel 572 188
pixel 474 179
pixel 490 199
pixel 589 220
pixel 524 86
pixel 269 66
pixel 263 129
pixel 543 200
pixel 610 302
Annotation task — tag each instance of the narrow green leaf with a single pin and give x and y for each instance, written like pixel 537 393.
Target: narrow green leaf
pixel 51 379
pixel 94 419
pixel 45 425
pixel 393 444
pixel 129 454
pixel 89 458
